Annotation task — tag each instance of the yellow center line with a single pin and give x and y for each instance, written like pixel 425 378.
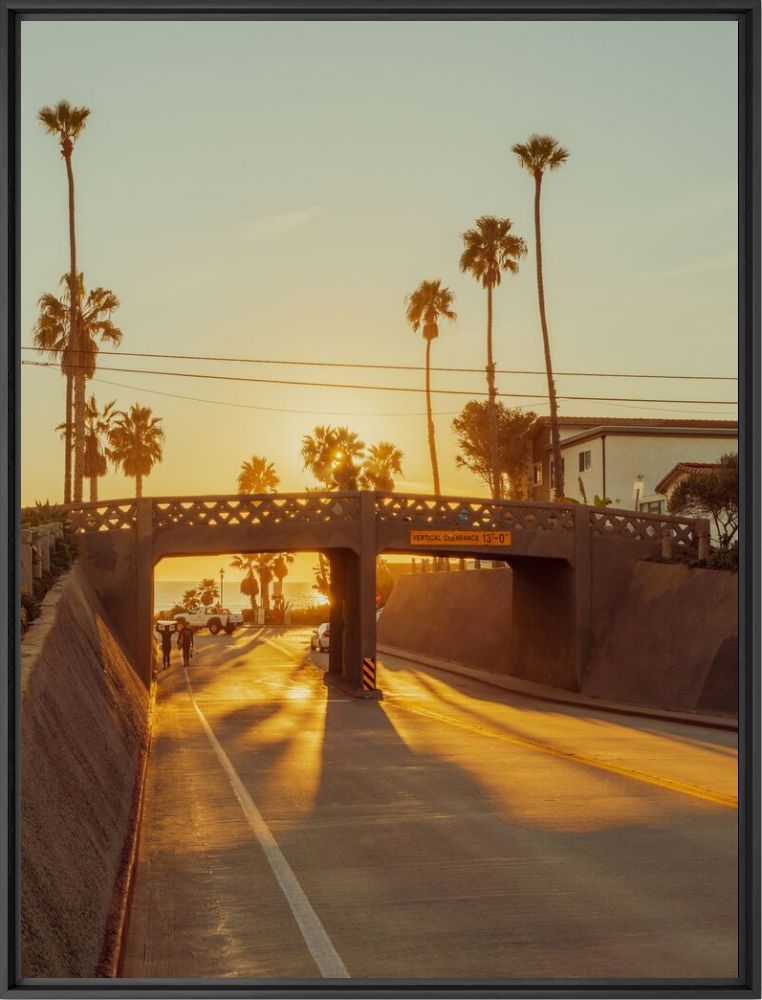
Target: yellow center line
pixel 681 787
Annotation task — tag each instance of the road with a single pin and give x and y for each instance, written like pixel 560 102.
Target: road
pixel 451 830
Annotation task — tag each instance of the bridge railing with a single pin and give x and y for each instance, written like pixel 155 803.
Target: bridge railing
pixel 108 515
pixel 643 527
pixel 256 509
pixel 474 514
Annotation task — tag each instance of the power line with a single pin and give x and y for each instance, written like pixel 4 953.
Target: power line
pixel 271 409
pixel 406 368
pixel 388 388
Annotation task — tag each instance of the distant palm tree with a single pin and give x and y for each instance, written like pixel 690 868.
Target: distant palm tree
pixel 331 455
pixel 280 567
pixel 247 565
pixel 538 154
pixel 52 334
pixel 136 443
pixel 425 306
pixel 490 249
pixel 383 461
pixel 208 591
pixel 264 564
pixel 68 123
pixel 258 476
pixel 97 429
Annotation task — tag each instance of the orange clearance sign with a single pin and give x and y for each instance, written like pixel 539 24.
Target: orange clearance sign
pixel 443 537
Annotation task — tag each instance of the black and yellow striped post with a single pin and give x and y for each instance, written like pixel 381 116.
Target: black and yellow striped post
pixel 368 674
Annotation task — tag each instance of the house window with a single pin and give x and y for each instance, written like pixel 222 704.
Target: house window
pixel 584 461
pixel 653 506
pixel 537 474
pixel 553 472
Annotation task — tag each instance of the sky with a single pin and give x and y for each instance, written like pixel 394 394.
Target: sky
pixel 274 190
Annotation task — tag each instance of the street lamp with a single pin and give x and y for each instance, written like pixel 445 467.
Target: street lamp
pixel 222 577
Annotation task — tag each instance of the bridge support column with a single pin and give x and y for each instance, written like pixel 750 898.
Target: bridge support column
pixel 337 561
pixel 353 609
pixel 583 596
pixel 144 589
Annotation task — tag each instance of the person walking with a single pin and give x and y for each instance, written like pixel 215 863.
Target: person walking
pixel 185 642
pixel 166 647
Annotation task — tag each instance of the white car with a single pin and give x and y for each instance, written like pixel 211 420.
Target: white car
pixel 213 617
pixel 321 638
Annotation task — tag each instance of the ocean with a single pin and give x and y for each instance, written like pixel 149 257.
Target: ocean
pixel 167 593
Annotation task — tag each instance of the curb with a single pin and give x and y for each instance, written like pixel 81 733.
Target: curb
pixel 528 689
pixel 116 923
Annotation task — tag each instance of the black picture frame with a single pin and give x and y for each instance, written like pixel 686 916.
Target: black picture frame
pixel 747 14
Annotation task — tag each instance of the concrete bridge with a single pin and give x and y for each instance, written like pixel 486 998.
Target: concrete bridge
pixel 566 558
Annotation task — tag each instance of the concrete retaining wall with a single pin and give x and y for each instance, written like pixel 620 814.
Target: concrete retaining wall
pixel 83 722
pixel 663 635
pixel 671 641
pixel 459 616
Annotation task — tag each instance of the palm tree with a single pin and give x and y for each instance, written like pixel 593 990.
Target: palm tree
pixel 264 564
pixel 331 455
pixel 208 591
pixel 382 462
pixel 248 585
pixel 258 476
pixel 97 429
pixel 490 249
pixel 68 123
pixel 280 567
pixel 538 154
pixel 52 334
pixel 136 443
pixel 424 307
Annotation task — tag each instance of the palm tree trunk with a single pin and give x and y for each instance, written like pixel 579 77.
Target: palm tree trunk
pixel 430 422
pixel 69 439
pixel 93 489
pixel 491 403
pixel 138 485
pixel 558 488
pixel 79 375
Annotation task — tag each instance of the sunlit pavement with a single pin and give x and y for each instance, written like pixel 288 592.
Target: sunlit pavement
pixel 452 830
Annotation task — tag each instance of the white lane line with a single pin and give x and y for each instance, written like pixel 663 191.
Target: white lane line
pixel 315 935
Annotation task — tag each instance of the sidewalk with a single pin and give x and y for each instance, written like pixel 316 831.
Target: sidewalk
pixel 542 692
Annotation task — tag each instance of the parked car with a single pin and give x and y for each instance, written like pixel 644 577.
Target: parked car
pixel 321 638
pixel 213 617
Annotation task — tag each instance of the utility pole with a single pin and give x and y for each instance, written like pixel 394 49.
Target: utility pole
pixel 222 577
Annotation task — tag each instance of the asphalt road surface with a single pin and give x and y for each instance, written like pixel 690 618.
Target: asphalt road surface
pixel 450 831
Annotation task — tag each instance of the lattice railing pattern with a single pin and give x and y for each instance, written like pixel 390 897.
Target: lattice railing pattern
pixel 114 516
pixel 439 512
pixel 642 527
pixel 260 510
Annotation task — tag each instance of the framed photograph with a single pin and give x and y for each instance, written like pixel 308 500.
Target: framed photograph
pixel 382 489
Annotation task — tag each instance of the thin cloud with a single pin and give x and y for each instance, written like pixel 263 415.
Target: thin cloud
pixel 272 226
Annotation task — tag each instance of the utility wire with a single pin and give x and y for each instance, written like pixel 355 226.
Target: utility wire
pixel 406 368
pixel 387 388
pixel 272 409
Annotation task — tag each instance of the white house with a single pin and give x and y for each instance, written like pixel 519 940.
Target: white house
pixel 625 458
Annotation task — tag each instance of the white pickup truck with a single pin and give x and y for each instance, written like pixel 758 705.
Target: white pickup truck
pixel 213 617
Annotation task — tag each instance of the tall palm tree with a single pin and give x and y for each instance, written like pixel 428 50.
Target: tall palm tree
pixel 258 476
pixel 67 123
pixel 382 463
pixel 331 454
pixel 247 564
pixel 537 155
pixel 490 249
pixel 98 426
pixel 136 443
pixel 52 333
pixel 425 306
